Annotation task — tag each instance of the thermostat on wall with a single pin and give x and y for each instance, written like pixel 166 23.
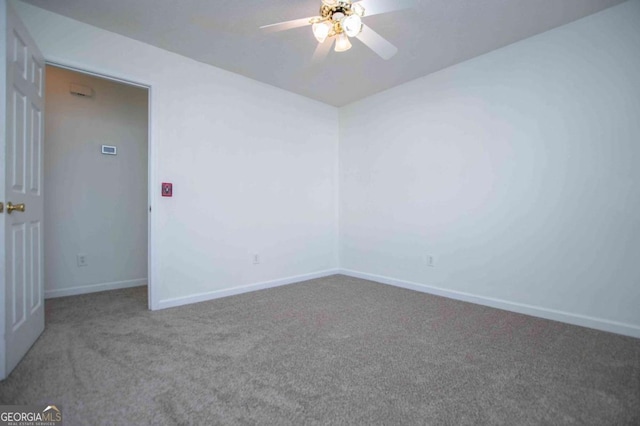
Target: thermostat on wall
pixel 109 150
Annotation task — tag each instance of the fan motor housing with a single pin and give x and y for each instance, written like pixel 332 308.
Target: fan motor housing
pixel 340 6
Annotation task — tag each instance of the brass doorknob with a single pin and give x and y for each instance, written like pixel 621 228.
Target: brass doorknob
pixel 11 207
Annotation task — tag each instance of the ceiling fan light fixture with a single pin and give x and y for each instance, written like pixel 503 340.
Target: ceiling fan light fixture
pixel 352 25
pixel 342 19
pixel 342 43
pixel 321 31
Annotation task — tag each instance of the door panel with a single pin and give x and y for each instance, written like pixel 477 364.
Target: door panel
pixel 22 255
pixel 17 140
pixel 18 280
pixel 37 75
pixel 35 146
pixel 35 261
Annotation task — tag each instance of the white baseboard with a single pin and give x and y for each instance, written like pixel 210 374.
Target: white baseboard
pixel 93 288
pixel 217 294
pixel 536 311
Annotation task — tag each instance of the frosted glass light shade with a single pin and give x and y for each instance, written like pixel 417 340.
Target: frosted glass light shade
pixel 352 25
pixel 342 43
pixel 358 9
pixel 321 31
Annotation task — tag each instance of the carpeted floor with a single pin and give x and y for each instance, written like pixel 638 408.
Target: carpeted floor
pixel 336 350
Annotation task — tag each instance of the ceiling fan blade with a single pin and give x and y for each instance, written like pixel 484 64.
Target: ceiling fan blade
pixel 377 43
pixel 288 25
pixel 376 7
pixel 322 50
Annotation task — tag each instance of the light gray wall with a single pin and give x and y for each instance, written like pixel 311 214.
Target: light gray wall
pixel 254 167
pixel 95 204
pixel 519 170
pixel 516 169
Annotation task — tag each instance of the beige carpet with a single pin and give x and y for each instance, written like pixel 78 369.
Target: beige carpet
pixel 336 350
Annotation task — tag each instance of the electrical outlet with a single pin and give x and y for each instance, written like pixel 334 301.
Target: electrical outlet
pixel 256 259
pixel 431 260
pixel 82 259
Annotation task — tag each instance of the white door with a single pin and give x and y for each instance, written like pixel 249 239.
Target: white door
pixel 21 250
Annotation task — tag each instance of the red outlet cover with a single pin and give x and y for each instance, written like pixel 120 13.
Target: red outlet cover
pixel 167 189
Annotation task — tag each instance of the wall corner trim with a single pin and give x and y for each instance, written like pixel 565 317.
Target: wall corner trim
pixel 536 311
pixel 217 294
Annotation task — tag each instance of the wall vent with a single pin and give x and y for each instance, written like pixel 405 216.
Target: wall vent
pixel 80 90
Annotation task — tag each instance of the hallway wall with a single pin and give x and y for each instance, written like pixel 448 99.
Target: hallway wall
pixel 95 204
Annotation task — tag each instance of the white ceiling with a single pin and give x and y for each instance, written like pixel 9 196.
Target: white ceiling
pixel 430 36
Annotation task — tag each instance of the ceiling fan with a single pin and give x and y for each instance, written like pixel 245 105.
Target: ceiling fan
pixel 341 20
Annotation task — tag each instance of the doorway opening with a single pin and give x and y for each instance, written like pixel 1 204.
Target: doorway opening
pixel 96 173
